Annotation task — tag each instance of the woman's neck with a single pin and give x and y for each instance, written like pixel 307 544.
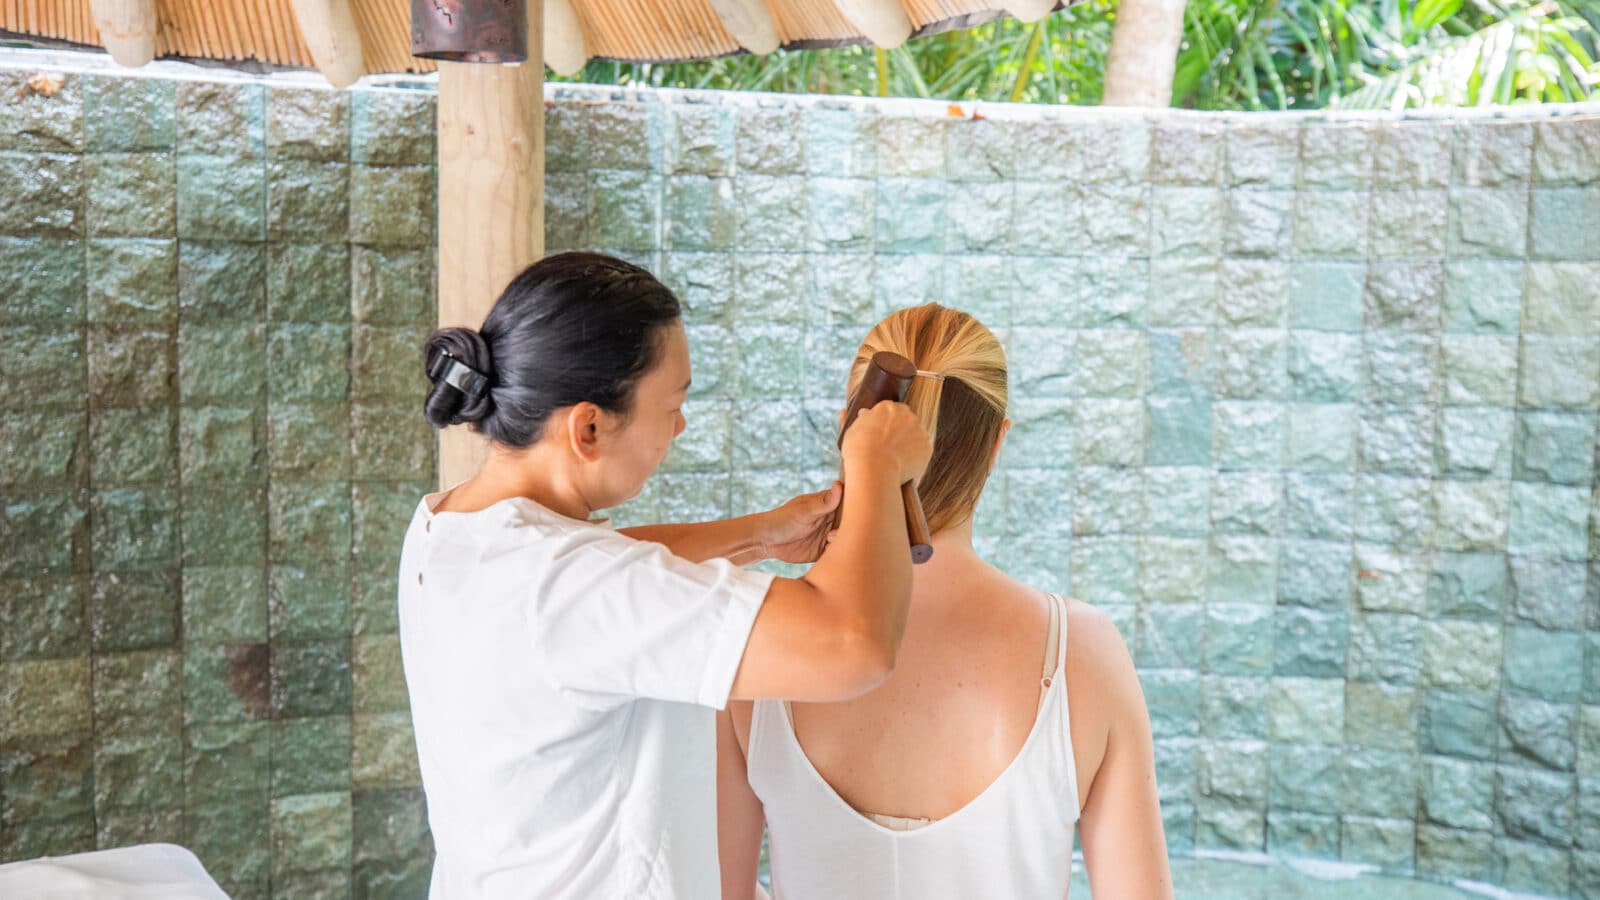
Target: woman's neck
pixel 529 473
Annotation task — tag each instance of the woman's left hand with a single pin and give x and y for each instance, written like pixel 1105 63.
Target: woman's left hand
pixel 797 531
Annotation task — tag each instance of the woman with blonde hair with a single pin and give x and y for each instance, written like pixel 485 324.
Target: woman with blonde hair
pixel 1013 718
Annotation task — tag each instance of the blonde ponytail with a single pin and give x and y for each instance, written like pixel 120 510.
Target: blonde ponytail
pixel 963 411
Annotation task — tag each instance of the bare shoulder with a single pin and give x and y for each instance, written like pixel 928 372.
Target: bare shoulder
pixel 1094 639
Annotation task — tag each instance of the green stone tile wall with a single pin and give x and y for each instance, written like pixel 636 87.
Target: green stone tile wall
pixel 213 294
pixel 1308 405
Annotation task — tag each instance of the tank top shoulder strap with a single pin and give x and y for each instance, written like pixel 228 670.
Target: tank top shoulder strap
pixel 1061 632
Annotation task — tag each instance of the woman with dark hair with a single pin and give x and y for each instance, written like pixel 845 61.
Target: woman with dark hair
pixel 563 674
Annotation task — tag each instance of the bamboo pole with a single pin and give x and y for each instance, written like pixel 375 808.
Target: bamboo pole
pixel 127 29
pixel 1144 53
pixel 491 199
pixel 564 51
pixel 750 24
pixel 329 30
pixel 884 22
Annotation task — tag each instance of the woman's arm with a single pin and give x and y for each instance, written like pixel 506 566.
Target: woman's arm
pixel 740 817
pixel 793 532
pixel 1124 845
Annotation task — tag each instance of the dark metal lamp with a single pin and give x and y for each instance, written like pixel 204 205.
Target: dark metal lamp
pixel 492 31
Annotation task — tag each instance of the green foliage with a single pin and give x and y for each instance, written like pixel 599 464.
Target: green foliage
pixel 1236 54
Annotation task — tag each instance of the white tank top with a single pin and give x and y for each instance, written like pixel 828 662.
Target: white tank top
pixel 1013 840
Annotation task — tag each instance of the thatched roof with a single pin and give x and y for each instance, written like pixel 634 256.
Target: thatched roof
pixel 268 31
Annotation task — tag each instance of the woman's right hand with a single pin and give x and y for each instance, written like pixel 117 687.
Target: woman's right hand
pixel 888 438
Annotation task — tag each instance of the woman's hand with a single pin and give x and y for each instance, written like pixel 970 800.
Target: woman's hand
pixel 797 531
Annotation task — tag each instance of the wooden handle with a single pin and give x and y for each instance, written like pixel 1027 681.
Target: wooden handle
pixel 888 377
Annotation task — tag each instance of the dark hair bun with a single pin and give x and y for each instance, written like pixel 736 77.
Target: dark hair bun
pixel 446 403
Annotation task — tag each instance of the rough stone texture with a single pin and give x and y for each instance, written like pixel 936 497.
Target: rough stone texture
pixel 1308 408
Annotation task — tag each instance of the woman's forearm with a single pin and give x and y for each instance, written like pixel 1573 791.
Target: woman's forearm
pixel 733 539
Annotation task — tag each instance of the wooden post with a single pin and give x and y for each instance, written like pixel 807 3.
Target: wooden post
pixel 491 199
pixel 127 29
pixel 329 29
pixel 884 22
pixel 1144 53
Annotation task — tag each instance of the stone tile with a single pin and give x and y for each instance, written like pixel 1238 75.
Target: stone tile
pixel 1548 520
pixel 134 529
pixel 1317 574
pixel 1248 434
pixel 699 213
pixel 221 198
pixel 1468 585
pixel 395 127
pixel 1412 154
pixel 1474 442
pixel 1263 156
pixel 310 755
pixel 131 195
pixel 137 768
pixel 979 149
pixel 1324 367
pixel 1559 373
pixel 311 678
pixel 1532 867
pixel 1483 296
pixel 1562 299
pixel 1119 152
pixel 1458 793
pixel 766 142
pixel 1331 224
pixel 1461 655
pixel 45 198
pixel 1459 724
pixel 45 697
pixel 1107 569
pixel 1558 228
pixel 1245 503
pixel 39 120
pixel 221 282
pixel 133 281
pixel 1311 642
pixel 1186 153
pixel 1479 370
pixel 393 205
pixel 1381 716
pixel 1260 223
pixel 232 840
pixel 1172 570
pixel 311 832
pixel 1539 734
pixel 1566 151
pixel 1105 500
pixel 46 618
pixel 1492 154
pixel 308 124
pixel 1543 664
pixel 1404 295
pixel 385 753
pixel 1116 219
pixel 307 200
pixel 1408 223
pixel 1238 639
pixel 1488 222
pixel 126 114
pixel 1388 843
pixel 1183 221
pixel 1336 155
pixel 1385 648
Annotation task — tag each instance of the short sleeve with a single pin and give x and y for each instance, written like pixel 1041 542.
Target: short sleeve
pixel 626 618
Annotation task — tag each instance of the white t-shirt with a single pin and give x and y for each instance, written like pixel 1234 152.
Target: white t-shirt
pixel 562 680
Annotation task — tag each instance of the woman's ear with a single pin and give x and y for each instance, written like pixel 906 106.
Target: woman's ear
pixel 994 455
pixel 583 431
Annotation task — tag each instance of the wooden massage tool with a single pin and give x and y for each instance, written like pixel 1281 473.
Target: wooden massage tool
pixel 888 377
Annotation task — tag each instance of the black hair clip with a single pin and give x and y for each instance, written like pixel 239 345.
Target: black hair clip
pixel 458 375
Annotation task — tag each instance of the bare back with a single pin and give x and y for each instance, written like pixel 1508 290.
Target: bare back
pixel 962 700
